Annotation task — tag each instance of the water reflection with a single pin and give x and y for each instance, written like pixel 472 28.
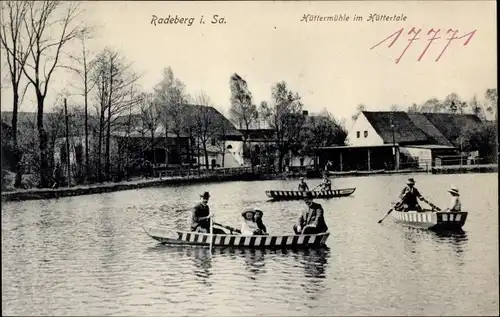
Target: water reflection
pixel 202 260
pixel 415 238
pixel 456 239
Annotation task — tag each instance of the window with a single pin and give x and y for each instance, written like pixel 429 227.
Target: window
pixel 229 147
pixel 357 134
pixel 366 133
pixel 213 142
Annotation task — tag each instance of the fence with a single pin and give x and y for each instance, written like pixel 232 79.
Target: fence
pixel 204 172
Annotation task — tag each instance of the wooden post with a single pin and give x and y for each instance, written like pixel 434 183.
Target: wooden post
pixel 67 142
pixel 341 164
pixel 369 160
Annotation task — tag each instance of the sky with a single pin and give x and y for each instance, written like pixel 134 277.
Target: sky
pixel 329 63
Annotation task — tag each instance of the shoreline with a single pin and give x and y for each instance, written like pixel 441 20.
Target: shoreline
pixel 48 193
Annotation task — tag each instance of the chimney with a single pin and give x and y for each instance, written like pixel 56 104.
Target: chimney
pixel 305 113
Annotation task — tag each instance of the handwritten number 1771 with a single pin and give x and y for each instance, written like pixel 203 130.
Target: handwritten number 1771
pixel 432 34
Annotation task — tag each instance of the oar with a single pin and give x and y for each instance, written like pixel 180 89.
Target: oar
pixel 211 233
pixel 315 187
pixel 388 213
pixel 431 204
pixel 227 227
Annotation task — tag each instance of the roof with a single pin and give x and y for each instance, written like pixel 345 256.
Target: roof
pixel 432 146
pixel 421 121
pixel 339 147
pixel 451 125
pixel 417 128
pixel 405 131
pixel 136 121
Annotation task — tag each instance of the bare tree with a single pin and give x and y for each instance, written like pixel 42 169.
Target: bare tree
pixel 50 25
pixel 150 118
pixel 242 111
pixel 222 130
pixel 476 107
pixel 359 108
pixel 113 79
pixel 83 69
pixel 321 131
pixel 171 98
pixel 286 119
pixel 11 35
pixel 452 103
pixel 491 96
pixel 205 122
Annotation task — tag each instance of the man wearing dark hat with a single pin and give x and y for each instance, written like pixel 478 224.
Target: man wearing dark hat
pixel 303 185
pixel 311 221
pixel 200 220
pixel 409 196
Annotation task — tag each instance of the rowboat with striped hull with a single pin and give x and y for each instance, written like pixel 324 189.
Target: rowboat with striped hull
pixel 432 220
pixel 175 237
pixel 296 194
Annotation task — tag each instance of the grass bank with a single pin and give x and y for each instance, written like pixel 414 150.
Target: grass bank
pixel 212 176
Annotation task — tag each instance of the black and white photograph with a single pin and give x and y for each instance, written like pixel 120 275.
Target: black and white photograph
pixel 249 158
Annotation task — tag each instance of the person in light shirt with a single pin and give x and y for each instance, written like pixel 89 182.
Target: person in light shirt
pixel 455 204
pixel 249 227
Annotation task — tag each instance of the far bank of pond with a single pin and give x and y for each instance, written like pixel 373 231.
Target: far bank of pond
pixel 214 176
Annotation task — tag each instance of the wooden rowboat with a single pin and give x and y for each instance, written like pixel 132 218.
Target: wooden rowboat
pixel 175 237
pixel 296 194
pixel 432 220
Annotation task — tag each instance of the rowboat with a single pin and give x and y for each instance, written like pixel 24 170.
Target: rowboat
pixel 176 237
pixel 296 194
pixel 431 220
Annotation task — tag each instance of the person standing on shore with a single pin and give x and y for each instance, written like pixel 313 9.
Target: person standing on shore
pixel 200 218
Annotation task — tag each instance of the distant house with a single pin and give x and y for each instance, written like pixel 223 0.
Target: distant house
pixel 260 134
pixel 388 139
pixel 131 136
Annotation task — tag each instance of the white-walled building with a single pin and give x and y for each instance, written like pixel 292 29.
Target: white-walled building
pixel 396 139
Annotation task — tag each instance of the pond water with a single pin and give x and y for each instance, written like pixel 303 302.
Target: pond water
pixel 88 255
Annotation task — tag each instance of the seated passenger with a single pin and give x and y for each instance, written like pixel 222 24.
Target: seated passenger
pixel 312 220
pixel 249 227
pixel 455 204
pixel 258 214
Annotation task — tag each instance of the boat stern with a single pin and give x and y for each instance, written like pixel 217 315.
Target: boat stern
pixel 450 220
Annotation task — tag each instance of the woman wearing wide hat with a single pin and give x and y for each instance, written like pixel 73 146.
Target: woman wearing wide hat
pixel 455 204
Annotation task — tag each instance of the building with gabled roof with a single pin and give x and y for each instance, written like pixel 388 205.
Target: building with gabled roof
pixel 388 139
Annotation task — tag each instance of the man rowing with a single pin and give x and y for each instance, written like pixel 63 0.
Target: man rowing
pixel 200 218
pixel 303 185
pixel 312 220
pixel 326 184
pixel 409 196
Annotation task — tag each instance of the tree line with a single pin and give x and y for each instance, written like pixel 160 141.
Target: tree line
pixel 35 38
